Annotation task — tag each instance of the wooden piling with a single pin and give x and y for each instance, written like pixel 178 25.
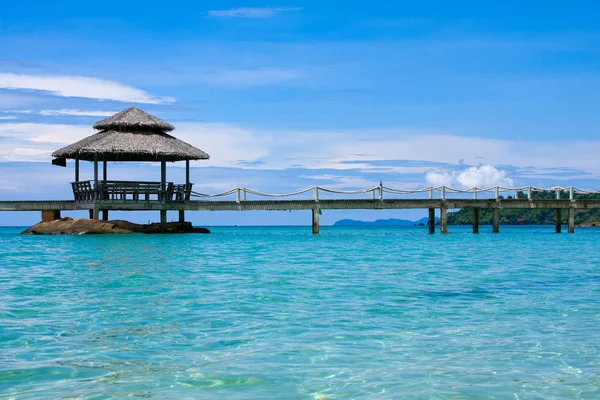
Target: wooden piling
pixel 571 220
pixel 557 225
pixel 431 221
pixel 476 220
pixel 104 215
pixel 163 216
pixel 443 220
pixel 181 216
pixel 315 221
pixel 495 220
pixel 50 215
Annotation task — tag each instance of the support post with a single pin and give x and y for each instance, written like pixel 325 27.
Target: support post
pixel 431 221
pixel 163 178
pixel 495 220
pixel 95 212
pixel 187 172
pixel 96 178
pixel 104 175
pixel 571 220
pixel 187 184
pixel 476 220
pixel 76 170
pixel 529 193
pixel 557 227
pixel 163 188
pixel 571 193
pixel 315 221
pixel 91 214
pixel 50 215
pixel 443 220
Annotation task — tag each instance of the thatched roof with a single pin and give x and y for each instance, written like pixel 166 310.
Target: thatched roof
pixel 131 135
pixel 134 118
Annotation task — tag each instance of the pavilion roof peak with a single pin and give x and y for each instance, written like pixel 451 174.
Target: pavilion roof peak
pixel 134 119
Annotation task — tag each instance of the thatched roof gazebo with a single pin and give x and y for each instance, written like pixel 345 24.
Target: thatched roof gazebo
pixel 131 135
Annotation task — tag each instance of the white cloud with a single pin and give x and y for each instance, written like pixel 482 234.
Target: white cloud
pixel 66 111
pixel 79 86
pixel 375 153
pixel 249 12
pixel 7 117
pixel 78 113
pixel 440 178
pixel 483 176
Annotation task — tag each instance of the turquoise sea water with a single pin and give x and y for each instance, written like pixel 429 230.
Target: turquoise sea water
pixel 257 313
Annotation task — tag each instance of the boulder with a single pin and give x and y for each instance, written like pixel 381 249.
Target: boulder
pixel 70 226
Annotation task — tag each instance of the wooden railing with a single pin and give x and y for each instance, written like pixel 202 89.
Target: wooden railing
pixel 130 191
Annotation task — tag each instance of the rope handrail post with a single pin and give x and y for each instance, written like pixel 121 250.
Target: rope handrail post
pixel 316 193
pixel 373 194
pixel 244 194
pixel 443 193
pixel 380 191
pixel 516 194
pixel 430 193
pixel 474 193
pixel 497 191
pixel 557 194
pixel 237 195
pixel 529 193
pixel 571 193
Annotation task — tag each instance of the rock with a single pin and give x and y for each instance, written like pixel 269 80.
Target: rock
pixel 589 224
pixel 70 226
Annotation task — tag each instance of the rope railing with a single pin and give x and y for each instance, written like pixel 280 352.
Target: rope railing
pixel 435 192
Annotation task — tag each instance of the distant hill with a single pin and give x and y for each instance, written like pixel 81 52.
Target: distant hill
pixel 381 222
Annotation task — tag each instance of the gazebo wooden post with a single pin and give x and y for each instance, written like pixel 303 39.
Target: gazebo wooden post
pixel 187 184
pixel 163 188
pixel 104 174
pixel 95 210
pixel 76 170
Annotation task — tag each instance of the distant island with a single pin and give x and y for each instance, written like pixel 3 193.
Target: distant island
pixel 383 222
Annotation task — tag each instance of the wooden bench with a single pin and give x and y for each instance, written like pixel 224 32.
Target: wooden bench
pixel 83 190
pixel 131 191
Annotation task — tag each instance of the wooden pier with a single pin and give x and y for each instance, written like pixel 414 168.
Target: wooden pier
pixel 316 205
pixel 136 136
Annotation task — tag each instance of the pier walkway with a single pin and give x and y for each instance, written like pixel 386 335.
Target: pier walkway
pixel 377 198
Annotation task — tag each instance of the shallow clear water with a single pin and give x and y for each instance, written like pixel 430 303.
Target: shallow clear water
pixel 253 313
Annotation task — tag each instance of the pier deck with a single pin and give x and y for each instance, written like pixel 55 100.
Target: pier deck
pixel 316 206
pixel 286 205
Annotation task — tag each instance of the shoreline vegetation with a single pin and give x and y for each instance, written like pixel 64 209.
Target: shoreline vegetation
pixel 530 216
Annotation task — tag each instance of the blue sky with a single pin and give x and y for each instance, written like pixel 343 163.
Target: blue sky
pixel 287 95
